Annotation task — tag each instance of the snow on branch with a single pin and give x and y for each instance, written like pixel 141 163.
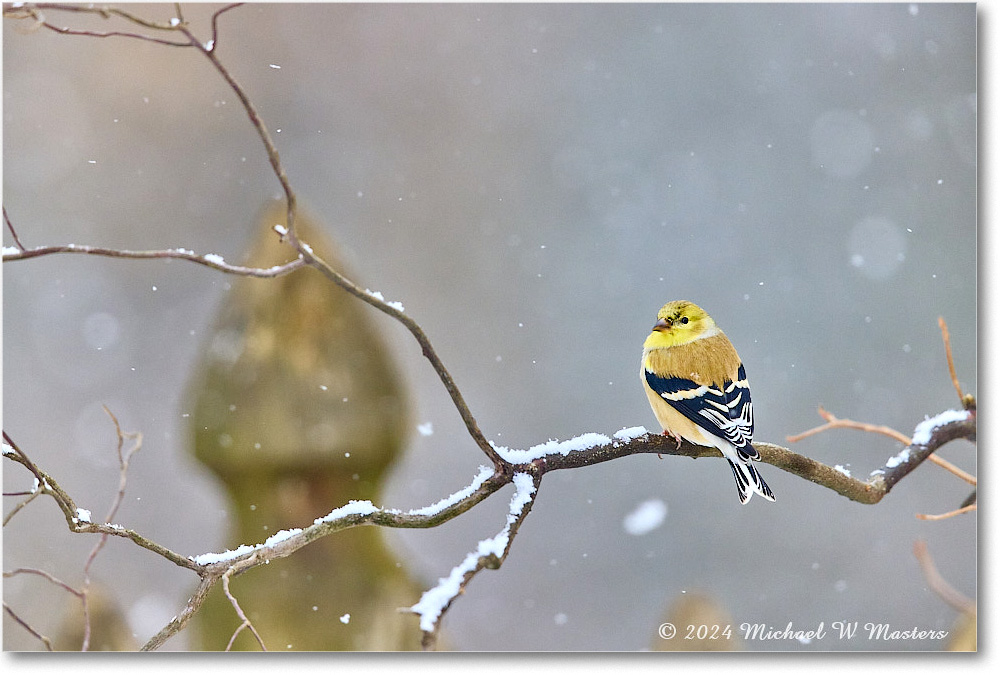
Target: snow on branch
pixel 213 260
pixel 489 553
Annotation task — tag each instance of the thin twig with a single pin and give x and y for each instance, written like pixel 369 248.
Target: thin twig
pixel 951 361
pixel 948 466
pixel 833 422
pixel 26 626
pixel 114 33
pixel 48 485
pixel 123 461
pixel 246 623
pixel 208 260
pixel 215 21
pixel 255 119
pixel 51 579
pixel 104 11
pixel 13 232
pixel 937 583
pixel 45 575
pixel 20 505
pixel 949 514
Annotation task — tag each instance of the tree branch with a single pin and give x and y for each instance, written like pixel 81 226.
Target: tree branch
pixel 246 623
pixel 490 553
pixel 211 260
pixel 938 584
pixel 26 626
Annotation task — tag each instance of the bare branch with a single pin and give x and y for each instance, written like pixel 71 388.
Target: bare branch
pixel 833 422
pixel 24 624
pixel 949 514
pixel 212 260
pixel 239 611
pixel 937 583
pixel 78 520
pixel 208 49
pixel 51 579
pixel 215 20
pixel 115 33
pixel 951 361
pixel 948 466
pixel 13 232
pixel 179 622
pixel 45 575
pixel 32 494
pixel 104 11
pixel 35 11
pixel 123 460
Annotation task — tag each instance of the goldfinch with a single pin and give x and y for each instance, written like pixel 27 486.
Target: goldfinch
pixel 698 389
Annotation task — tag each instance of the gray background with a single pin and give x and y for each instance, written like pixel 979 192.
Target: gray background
pixel 532 182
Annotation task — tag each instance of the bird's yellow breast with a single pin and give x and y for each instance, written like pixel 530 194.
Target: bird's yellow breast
pixel 712 360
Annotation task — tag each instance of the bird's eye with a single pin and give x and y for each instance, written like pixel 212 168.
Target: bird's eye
pixel 684 319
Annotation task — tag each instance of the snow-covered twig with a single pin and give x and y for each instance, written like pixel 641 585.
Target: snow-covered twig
pixel 490 553
pixel 215 261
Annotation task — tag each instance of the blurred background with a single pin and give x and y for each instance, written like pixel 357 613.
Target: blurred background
pixel 532 182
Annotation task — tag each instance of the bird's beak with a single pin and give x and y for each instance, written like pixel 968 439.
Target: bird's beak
pixel 661 325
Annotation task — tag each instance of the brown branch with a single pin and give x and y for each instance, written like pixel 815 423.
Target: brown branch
pixel 239 611
pixel 13 232
pixel 73 515
pixel 34 12
pixel 114 33
pixel 215 20
pixel 833 422
pixel 214 261
pixel 123 461
pixel 104 11
pixel 179 622
pixel 26 626
pixel 949 514
pixel 948 466
pixel 45 575
pixel 937 583
pixel 51 579
pixel 586 450
pixel 951 361
pixel 208 49
pixel 306 253
pixel 32 495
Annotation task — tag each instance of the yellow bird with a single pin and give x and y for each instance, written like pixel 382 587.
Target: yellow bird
pixel 698 389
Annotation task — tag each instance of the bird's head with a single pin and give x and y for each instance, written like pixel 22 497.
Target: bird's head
pixel 678 323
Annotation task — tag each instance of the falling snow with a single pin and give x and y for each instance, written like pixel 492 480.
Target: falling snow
pixel 645 517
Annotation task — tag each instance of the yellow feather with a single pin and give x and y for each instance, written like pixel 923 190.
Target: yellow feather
pixel 711 360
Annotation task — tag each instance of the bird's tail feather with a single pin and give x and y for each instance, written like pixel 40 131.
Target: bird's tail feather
pixel 747 477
